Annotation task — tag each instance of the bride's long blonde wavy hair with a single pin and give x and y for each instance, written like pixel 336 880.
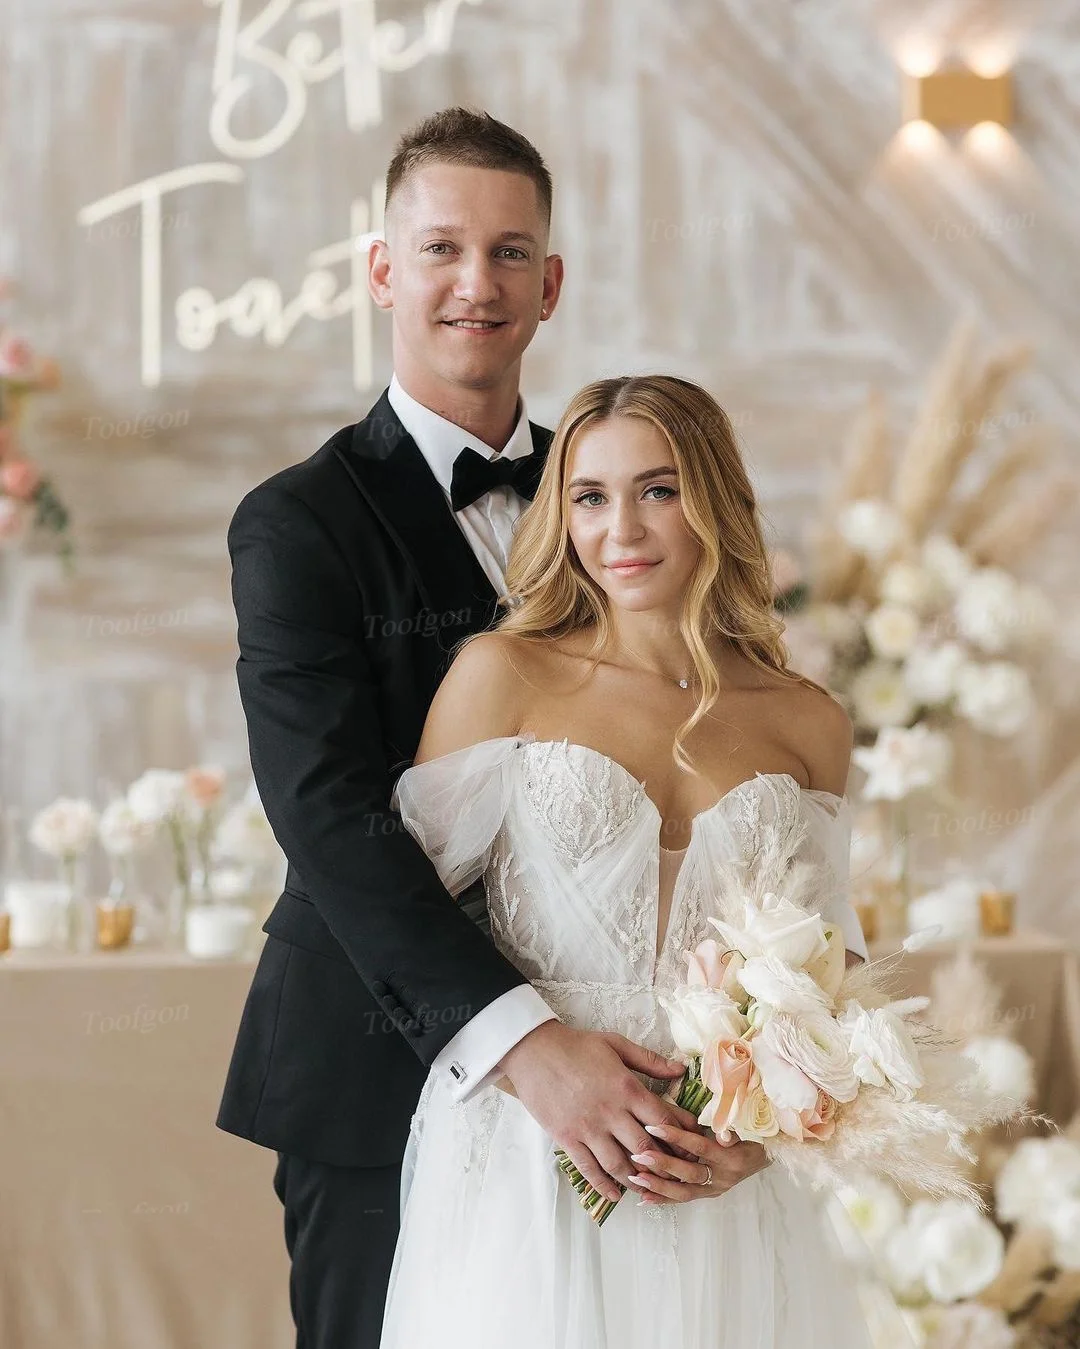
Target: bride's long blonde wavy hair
pixel 730 592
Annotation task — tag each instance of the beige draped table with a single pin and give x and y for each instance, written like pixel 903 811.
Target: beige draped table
pixel 128 1221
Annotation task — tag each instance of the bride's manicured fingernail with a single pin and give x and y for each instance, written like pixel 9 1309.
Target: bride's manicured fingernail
pixel 638 1180
pixel 657 1130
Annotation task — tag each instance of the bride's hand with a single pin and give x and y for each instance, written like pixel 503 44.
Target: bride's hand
pixel 662 1179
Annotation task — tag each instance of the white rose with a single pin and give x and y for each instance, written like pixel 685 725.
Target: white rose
pixel 828 970
pixel 157 795
pixel 698 1016
pixel 988 609
pixel 815 1044
pixel 880 696
pixel 953 907
pixel 967 1325
pixel 65 828
pixel 1004 1066
pixel 910 585
pixel 1038 1174
pixel 1063 1221
pixel 996 697
pixel 776 928
pixel 875 1207
pixel 952 1248
pixel 930 673
pixel 121 831
pixel 781 988
pixel 946 562
pixel 870 526
pixel 901 760
pixel 884 1052
pixel 892 631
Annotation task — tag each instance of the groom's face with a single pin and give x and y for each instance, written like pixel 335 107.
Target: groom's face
pixel 465 270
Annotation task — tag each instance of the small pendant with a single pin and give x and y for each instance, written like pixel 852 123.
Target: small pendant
pixel 684 683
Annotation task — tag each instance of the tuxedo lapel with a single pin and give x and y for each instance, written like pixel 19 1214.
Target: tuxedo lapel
pixel 397 483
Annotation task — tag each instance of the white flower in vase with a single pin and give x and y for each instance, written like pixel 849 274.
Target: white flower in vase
pixel 230 885
pixel 870 526
pixel 121 831
pixel 1004 1066
pixel 892 631
pixel 995 697
pixel 988 609
pixel 880 696
pixel 952 909
pixel 244 834
pixel 946 562
pixel 64 829
pixel 157 796
pixel 931 673
pixel 902 760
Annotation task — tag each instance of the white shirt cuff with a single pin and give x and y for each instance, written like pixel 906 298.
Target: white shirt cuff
pixel 473 1057
pixel 848 919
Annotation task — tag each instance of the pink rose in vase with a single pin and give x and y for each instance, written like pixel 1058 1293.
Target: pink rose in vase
pixel 16 358
pixel 19 478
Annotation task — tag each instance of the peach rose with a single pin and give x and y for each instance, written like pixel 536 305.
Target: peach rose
pixel 16 358
pixel 19 478
pixel 205 785
pixel 752 1116
pixel 713 966
pixel 726 1068
pixel 819 1122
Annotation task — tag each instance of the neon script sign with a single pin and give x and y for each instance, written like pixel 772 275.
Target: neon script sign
pixel 245 58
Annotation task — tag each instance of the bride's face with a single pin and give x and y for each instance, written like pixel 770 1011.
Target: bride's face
pixel 624 506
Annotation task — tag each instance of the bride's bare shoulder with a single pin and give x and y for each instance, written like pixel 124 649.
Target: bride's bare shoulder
pixel 822 734
pixel 480 697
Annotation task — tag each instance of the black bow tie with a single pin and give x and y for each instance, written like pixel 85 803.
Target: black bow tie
pixel 474 475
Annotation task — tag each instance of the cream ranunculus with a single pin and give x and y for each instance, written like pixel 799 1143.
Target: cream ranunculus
pixel 996 698
pixel 781 988
pixel 698 1016
pixel 778 928
pixel 65 828
pixel 817 1046
pixel 1038 1174
pixel 892 630
pixel 880 696
pixel 785 1085
pixel 884 1052
pixel 931 673
pixel 875 1206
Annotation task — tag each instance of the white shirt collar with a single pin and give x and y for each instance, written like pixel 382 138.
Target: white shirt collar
pixel 440 441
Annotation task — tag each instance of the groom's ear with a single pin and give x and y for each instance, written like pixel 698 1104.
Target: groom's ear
pixel 378 279
pixel 553 280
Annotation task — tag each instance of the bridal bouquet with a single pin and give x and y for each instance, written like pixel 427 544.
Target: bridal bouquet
pixel 788 1048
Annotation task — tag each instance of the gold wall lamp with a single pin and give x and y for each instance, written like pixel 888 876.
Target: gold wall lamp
pixel 957 98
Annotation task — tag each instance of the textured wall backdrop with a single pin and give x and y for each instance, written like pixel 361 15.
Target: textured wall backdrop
pixel 733 203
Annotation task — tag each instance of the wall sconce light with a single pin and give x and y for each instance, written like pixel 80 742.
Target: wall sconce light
pixel 956 98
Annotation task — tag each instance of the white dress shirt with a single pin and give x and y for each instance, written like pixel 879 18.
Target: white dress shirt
pixel 473 1057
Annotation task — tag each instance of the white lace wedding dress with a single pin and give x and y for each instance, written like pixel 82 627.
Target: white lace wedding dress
pixel 495 1251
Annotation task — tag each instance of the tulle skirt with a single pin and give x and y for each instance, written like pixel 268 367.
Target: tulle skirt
pixel 495 1252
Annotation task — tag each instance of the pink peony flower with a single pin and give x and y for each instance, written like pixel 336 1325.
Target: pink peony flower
pixel 19 478
pixel 205 785
pixel 16 358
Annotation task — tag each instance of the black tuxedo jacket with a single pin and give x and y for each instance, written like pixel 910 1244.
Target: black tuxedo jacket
pixel 352 582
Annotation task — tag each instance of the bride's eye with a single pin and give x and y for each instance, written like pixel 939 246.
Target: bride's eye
pixel 668 491
pixel 578 501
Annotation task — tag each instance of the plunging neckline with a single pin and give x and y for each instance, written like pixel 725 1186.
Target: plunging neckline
pixel 660 943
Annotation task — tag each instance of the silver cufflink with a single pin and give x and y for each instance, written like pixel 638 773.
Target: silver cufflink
pixel 458 1071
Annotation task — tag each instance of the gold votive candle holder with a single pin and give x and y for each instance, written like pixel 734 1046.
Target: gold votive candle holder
pixel 114 925
pixel 5 931
pixel 997 912
pixel 867 912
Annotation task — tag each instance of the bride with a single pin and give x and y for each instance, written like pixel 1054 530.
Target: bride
pixel 627 726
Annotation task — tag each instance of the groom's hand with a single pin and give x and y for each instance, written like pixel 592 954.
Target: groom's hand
pixel 579 1087
pixel 716 1167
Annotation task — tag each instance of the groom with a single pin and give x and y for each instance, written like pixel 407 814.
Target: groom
pixel 354 573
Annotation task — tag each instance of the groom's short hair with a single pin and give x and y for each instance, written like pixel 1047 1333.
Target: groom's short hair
pixel 472 138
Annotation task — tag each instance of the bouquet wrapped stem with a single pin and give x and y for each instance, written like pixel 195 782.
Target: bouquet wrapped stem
pixel 691 1094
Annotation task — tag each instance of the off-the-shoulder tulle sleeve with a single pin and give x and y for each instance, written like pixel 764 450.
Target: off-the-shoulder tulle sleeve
pixel 829 821
pixel 453 806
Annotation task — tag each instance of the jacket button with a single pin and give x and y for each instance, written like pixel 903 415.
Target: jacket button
pixel 379 989
pixel 409 1025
